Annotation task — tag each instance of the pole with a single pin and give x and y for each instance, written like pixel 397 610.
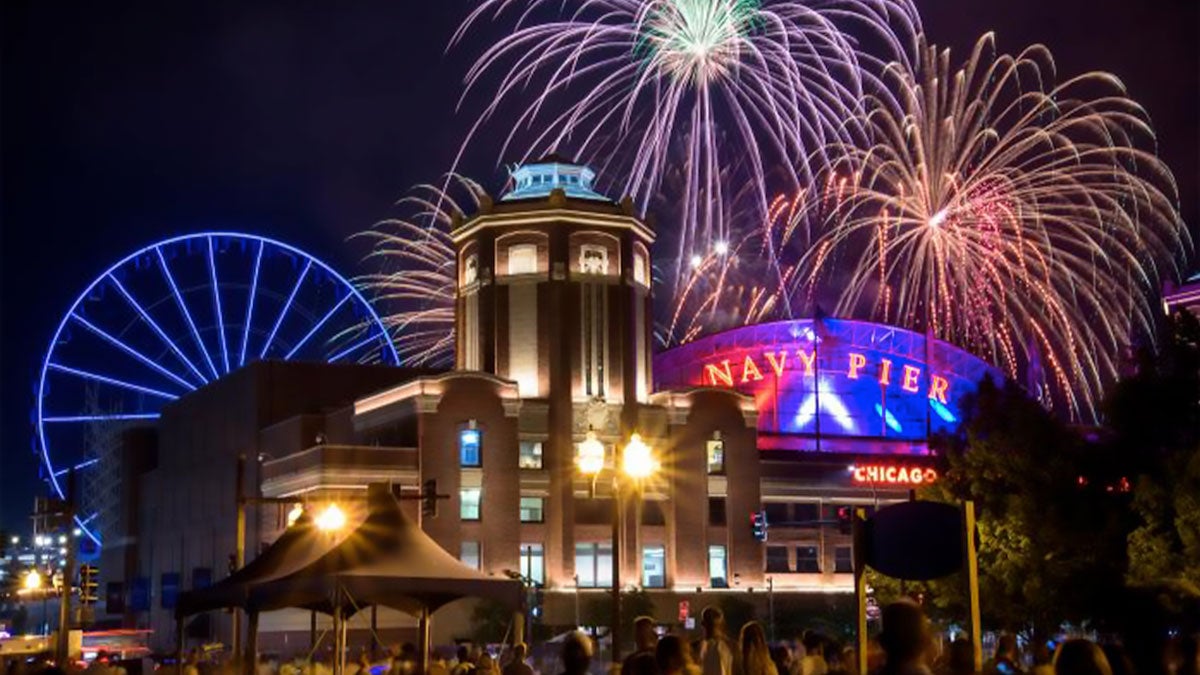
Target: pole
pixel 179 644
pixel 312 630
pixel 63 644
pixel 239 550
pixel 771 607
pixel 972 562
pixel 860 590
pixel 251 657
pixel 374 628
pixel 577 624
pixel 614 632
pixel 423 638
pixel 338 638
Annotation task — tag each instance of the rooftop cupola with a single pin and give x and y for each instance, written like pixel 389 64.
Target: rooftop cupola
pixel 537 179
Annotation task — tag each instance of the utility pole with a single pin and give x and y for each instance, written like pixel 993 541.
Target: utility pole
pixel 63 644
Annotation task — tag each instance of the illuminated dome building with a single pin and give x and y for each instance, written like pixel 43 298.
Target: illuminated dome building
pixel 796 420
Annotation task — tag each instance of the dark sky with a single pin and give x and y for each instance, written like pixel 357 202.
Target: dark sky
pixel 123 123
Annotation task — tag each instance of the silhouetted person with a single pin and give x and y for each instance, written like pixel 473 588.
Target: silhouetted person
pixel 641 661
pixel 960 658
pixel 905 639
pixel 813 661
pixel 1081 657
pixel 673 657
pixel 781 656
pixel 756 657
pixel 576 654
pixel 464 665
pixel 516 665
pixel 1005 661
pixel 714 654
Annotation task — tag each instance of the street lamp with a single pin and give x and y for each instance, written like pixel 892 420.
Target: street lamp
pixel 331 519
pixel 33 581
pixel 635 462
pixel 294 514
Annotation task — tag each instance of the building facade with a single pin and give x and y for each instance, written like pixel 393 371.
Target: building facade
pixel 789 423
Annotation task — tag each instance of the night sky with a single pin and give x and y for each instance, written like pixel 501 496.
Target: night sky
pixel 124 123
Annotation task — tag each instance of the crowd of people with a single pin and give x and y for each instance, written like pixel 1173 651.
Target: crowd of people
pixel 905 646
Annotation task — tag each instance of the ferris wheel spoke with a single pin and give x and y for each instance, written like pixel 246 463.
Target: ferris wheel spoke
pixel 216 289
pixel 97 377
pixel 82 465
pixel 352 348
pixel 137 307
pixel 130 351
pixel 162 260
pixel 317 327
pixel 111 417
pixel 250 302
pixel 286 306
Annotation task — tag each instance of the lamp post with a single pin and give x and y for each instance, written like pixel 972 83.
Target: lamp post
pixel 634 463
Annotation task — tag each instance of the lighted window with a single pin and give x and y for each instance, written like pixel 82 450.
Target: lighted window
pixel 533 509
pixel 808 559
pixel 593 564
pixel 716 456
pixel 777 559
pixel 470 499
pixel 470 269
pixel 843 559
pixel 531 455
pixel 469 442
pixel 654 566
pixel 639 268
pixel 716 510
pixel 469 554
pixel 593 259
pixel 533 563
pixel 718 567
pixel 522 259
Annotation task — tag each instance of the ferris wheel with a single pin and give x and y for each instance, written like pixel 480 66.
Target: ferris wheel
pixel 170 318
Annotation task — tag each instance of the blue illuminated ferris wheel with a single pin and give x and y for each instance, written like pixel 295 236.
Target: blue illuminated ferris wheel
pixel 167 320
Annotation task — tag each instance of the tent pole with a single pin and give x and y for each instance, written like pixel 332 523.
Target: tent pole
pixel 179 644
pixel 251 656
pixel 374 628
pixel 338 646
pixel 312 631
pixel 423 639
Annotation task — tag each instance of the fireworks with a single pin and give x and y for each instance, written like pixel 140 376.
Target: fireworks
pixel 760 82
pixel 1021 219
pixel 416 284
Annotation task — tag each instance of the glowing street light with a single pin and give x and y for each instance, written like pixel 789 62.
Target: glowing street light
pixel 331 519
pixel 32 581
pixel 637 461
pixel 590 457
pixel 294 514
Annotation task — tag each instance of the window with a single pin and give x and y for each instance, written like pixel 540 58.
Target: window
pixel 593 259
pixel 470 269
pixel 806 514
pixel 716 456
pixel 470 499
pixel 718 570
pixel 533 509
pixel 533 563
pixel 531 455
pixel 469 554
pixel 522 259
pixel 469 440
pixel 777 559
pixel 777 513
pixel 593 564
pixel 808 559
pixel 654 566
pixel 639 268
pixel 716 510
pixel 843 559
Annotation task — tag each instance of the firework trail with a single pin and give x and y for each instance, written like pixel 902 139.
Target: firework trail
pixel 1026 221
pixel 621 80
pixel 416 285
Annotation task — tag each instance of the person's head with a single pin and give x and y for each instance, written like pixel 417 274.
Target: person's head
pixel 1080 657
pixel 576 653
pixel 673 655
pixel 814 645
pixel 643 633
pixel 712 620
pixel 519 651
pixel 960 659
pixel 753 637
pixel 905 637
pixel 1006 646
pixel 780 655
pixel 463 653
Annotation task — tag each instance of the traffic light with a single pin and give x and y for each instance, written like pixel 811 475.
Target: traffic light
pixel 429 499
pixel 845 519
pixel 88 584
pixel 758 525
